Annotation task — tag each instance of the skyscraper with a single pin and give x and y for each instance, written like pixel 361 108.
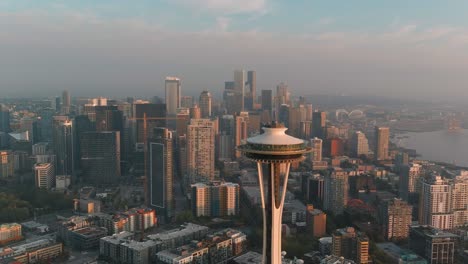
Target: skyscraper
pixel 226 137
pixel 436 246
pixel 66 102
pixel 186 101
pixel 250 97
pixel 155 114
pixel 382 137
pixel 172 85
pixel 460 199
pixel 201 150
pixel 336 190
pixel 239 87
pixel 205 104
pixel 267 100
pixel 319 120
pixel 241 132
pixel 397 219
pixel 44 175
pixel 161 173
pixel 4 119
pixel 435 203
pixel 100 156
pixel 64 145
pixel 108 118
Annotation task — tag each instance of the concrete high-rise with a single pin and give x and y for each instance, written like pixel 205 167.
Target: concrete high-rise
pixel 7 164
pixel 336 190
pixel 217 199
pixel 319 120
pixel 316 221
pixel 173 95
pixel 460 199
pixel 316 154
pixel 186 101
pixel 410 181
pixel 64 145
pixel 44 175
pixel 382 138
pixel 204 103
pixel 201 150
pixel 100 156
pixel 227 132
pixel 274 151
pixel 359 144
pixel 397 219
pixel 161 173
pixel 351 244
pixel 435 203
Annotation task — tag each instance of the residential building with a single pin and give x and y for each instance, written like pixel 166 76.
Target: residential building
pixel 435 203
pixel 397 219
pixel 336 190
pixel 7 164
pixel 201 150
pixel 205 104
pixel 438 247
pixel 44 175
pixel 217 199
pixel 316 221
pixel 351 244
pixel 9 233
pixel 382 138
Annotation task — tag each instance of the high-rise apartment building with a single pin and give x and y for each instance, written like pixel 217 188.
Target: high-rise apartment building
pixel 173 95
pixel 397 219
pixel 161 173
pixel 216 199
pixel 44 175
pixel 336 190
pixel 460 199
pixel 319 120
pixel 205 104
pixel 64 145
pixel 382 138
pixel 436 246
pixel 350 244
pixel 100 156
pixel 316 154
pixel 201 135
pixel 410 183
pixel 435 203
pixel 359 144
pixel 9 233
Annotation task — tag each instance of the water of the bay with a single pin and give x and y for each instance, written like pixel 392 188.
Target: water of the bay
pixel 444 146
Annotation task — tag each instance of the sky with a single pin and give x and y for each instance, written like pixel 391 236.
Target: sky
pixel 119 48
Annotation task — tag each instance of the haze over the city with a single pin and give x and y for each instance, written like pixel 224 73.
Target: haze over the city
pixel 416 49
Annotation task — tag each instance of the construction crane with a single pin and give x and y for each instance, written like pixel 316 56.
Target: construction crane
pixel 145 147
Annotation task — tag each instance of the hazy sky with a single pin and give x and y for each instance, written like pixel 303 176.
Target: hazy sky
pixel 120 48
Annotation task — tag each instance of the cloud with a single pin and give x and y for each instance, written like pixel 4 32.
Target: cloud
pixel 43 54
pixel 227 6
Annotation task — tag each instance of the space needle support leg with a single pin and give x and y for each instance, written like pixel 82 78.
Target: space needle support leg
pixel 262 195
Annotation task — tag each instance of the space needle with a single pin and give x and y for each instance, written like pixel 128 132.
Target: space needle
pixel 274 151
